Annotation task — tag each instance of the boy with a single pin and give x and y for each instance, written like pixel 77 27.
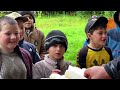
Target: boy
pixel 113 36
pixel 22 43
pixel 56 44
pixel 32 34
pixel 95 53
pixel 15 62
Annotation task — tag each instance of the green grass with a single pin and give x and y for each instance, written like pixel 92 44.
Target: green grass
pixel 72 26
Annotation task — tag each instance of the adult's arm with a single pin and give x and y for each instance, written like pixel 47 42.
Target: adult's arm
pixel 113 68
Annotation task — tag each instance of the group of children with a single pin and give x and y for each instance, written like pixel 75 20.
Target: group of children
pixel 25 53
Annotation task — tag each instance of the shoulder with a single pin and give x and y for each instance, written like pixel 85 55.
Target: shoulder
pixel 29 44
pixel 107 48
pixel 25 52
pixel 111 31
pixel 39 31
pixel 83 50
pixel 39 64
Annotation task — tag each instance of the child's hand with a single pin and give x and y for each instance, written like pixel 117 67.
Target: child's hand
pixel 56 71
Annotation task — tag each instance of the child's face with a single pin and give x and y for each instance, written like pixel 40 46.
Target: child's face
pixel 21 28
pixel 9 37
pixel 98 38
pixel 29 23
pixel 56 52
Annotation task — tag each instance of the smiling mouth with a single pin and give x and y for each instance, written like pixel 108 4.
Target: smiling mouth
pixel 103 40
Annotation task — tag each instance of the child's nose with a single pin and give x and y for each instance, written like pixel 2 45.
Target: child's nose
pixel 13 36
pixel 58 47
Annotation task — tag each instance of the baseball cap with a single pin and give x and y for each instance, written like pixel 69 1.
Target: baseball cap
pixel 93 20
pixel 17 16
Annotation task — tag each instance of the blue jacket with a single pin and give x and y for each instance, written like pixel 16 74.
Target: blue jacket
pixel 113 41
pixel 31 49
pixel 86 42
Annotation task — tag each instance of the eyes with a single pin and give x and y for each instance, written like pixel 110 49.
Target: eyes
pixel 9 33
pixel 58 45
pixel 101 31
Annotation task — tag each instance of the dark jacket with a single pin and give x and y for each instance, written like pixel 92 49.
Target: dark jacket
pixel 113 68
pixel 27 59
pixel 31 49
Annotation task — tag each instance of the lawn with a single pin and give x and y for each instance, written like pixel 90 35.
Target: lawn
pixel 72 26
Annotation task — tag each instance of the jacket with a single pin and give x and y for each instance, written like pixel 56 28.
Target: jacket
pixel 36 37
pixel 113 41
pixel 113 68
pixel 31 49
pixel 43 69
pixel 27 59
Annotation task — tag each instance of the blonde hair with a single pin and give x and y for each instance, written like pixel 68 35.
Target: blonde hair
pixel 7 20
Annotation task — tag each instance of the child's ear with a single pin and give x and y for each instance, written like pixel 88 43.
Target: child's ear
pixel 89 35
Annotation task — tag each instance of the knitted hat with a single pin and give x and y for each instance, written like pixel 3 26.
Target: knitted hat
pixel 93 20
pixel 17 16
pixel 55 37
pixel 28 12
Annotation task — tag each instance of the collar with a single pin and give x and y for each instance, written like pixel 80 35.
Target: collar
pixel 20 42
pixel 50 61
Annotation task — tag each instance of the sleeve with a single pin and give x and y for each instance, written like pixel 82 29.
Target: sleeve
pixel 42 50
pixel 36 56
pixel 81 57
pixel 37 71
pixel 109 52
pixel 27 59
pixel 113 68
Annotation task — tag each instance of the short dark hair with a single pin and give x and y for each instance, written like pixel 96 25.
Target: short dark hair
pixel 95 21
pixel 97 25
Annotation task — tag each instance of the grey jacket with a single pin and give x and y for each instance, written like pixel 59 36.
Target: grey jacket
pixel 43 69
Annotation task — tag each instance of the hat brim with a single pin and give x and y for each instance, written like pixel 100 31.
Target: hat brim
pixel 100 19
pixel 24 19
pixel 89 25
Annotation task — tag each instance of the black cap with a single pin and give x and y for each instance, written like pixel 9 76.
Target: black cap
pixel 28 12
pixel 55 37
pixel 93 20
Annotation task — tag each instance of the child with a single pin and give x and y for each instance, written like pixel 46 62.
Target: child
pixel 22 43
pixel 113 36
pixel 95 53
pixel 32 34
pixel 56 44
pixel 16 62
